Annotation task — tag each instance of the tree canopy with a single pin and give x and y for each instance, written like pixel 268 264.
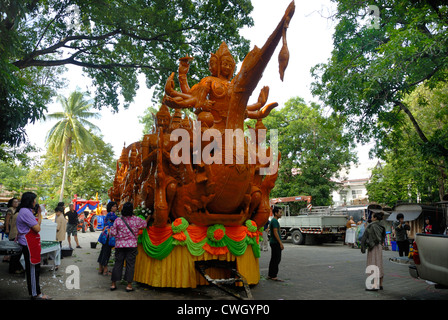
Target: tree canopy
pixel 388 80
pixel 87 175
pixel 371 70
pixel 112 41
pixel 314 149
pixel 411 171
pixel 73 131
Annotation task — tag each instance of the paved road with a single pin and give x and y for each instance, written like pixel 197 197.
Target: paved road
pixel 312 272
pixel 337 272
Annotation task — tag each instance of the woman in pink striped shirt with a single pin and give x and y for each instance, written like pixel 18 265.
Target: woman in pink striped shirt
pixel 125 230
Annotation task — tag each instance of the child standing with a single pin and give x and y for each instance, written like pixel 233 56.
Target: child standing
pixel 61 225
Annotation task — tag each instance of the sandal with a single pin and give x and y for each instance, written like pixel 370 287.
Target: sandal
pixel 129 289
pixel 276 279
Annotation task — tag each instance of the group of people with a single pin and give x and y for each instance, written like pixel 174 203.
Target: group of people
pixel 66 224
pixel 371 242
pixel 23 224
pixel 122 234
pixel 24 218
pixel 374 238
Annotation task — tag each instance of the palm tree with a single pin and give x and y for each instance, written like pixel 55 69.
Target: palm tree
pixel 70 132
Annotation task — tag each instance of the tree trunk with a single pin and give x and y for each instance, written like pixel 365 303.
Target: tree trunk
pixel 441 180
pixel 413 121
pixel 443 151
pixel 64 176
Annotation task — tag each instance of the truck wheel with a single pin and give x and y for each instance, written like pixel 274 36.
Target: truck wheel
pixel 297 237
pixel 83 227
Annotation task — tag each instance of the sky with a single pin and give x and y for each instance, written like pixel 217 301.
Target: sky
pixel 309 38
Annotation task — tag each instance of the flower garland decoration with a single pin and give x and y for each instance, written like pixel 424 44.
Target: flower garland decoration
pixel 179 226
pixel 216 233
pixel 158 242
pixel 142 211
pixel 251 226
pixel 216 243
pixel 260 232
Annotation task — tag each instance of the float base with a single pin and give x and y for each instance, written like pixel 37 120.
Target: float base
pixel 177 270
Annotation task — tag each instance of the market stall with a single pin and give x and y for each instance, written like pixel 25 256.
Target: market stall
pixel 9 248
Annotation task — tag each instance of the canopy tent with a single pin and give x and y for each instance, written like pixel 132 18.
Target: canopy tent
pixel 374 208
pixel 82 204
pixel 416 213
pixel 371 208
pixel 411 212
pixel 90 204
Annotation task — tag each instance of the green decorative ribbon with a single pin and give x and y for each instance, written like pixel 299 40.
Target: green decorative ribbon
pixel 216 238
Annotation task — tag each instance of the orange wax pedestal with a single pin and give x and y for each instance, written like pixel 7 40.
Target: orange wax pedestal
pixel 177 270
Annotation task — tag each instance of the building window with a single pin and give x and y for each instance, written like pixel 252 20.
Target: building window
pixel 356 194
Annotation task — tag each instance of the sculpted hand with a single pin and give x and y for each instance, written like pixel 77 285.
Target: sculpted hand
pixel 170 102
pixel 184 65
pixel 263 97
pixel 169 86
pixel 208 104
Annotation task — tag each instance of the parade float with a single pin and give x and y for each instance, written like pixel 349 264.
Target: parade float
pixel 90 213
pixel 210 196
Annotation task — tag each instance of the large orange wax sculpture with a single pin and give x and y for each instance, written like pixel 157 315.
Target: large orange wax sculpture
pixel 208 202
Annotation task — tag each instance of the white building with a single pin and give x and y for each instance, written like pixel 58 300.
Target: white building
pixel 352 190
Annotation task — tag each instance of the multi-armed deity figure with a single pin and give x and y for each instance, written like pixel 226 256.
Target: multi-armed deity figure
pixel 231 189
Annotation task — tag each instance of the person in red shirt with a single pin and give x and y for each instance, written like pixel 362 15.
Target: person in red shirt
pixel 428 227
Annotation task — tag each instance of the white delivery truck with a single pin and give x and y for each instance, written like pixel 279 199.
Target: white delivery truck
pixel 311 223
